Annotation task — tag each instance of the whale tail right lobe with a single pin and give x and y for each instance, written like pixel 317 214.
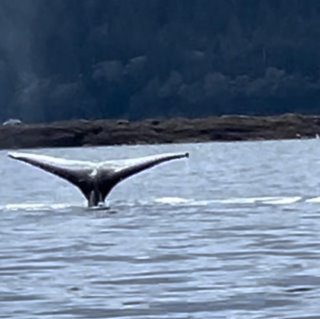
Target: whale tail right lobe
pixel 135 166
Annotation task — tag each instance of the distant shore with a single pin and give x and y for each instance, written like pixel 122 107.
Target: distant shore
pixel 153 131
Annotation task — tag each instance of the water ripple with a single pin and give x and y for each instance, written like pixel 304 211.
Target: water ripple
pixel 235 236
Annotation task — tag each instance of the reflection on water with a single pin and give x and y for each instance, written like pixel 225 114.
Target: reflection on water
pixel 232 234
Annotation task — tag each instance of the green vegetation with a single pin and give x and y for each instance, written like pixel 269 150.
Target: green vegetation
pixel 67 59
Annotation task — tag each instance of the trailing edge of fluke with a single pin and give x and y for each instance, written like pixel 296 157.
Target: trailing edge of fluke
pixel 94 179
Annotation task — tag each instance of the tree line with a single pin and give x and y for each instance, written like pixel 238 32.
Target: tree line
pixel 68 59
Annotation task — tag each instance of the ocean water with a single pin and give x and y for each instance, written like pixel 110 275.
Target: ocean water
pixel 232 232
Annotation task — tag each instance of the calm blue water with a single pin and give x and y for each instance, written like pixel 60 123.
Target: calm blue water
pixel 233 232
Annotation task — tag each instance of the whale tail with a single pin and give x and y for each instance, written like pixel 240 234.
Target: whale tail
pixel 95 180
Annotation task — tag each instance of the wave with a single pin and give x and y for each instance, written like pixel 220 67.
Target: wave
pixel 167 200
pixel 270 200
pixel 37 206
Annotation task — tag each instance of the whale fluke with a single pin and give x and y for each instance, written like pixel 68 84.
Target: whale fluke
pixel 94 179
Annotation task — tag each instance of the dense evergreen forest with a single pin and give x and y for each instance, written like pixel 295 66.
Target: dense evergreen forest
pixel 67 59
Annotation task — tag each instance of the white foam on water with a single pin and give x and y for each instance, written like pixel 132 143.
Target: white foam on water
pixel 315 200
pixel 270 200
pixel 36 206
pixel 173 200
pixel 283 200
pixel 180 201
pixel 244 200
pixel 274 200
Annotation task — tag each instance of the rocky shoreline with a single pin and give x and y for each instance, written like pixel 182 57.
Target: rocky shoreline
pixel 153 131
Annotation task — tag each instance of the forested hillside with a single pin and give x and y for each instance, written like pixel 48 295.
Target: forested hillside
pixel 66 59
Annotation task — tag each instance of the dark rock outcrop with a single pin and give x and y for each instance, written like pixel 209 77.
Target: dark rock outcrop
pixel 151 131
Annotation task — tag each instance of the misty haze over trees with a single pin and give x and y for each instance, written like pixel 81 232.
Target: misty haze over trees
pixel 66 59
